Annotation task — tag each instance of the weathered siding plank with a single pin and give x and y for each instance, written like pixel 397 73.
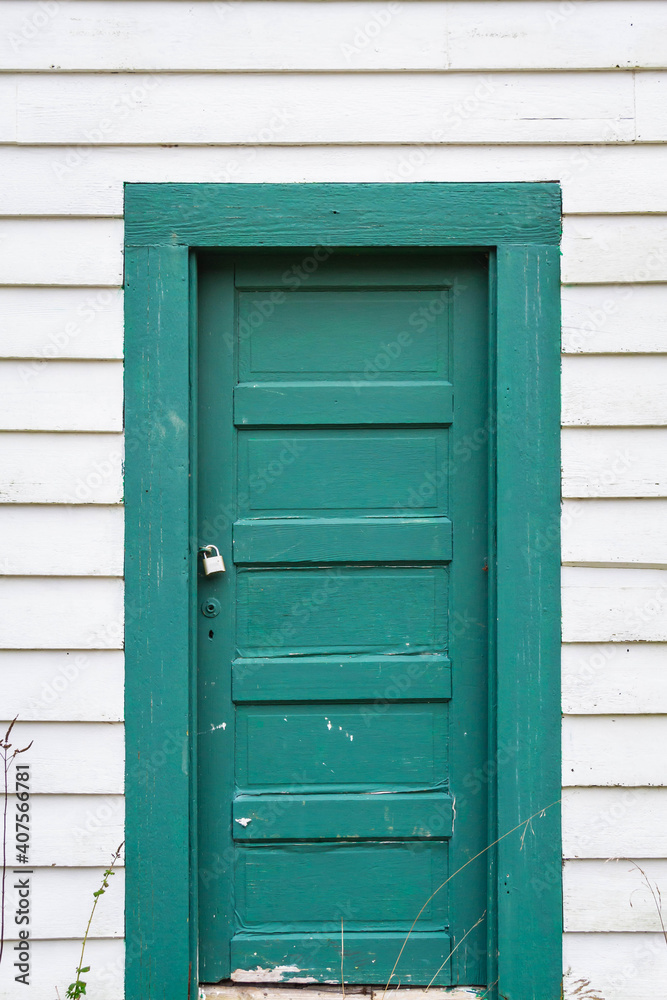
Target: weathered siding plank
pixel 53 963
pixel 58 750
pixel 61 900
pixel 61 468
pixel 614 750
pixel 614 462
pixel 62 685
pixel 63 396
pixel 614 392
pixel 615 533
pixel 45 324
pixel 614 966
pixel 88 180
pixel 71 831
pixel 294 108
pixel 614 678
pixel 612 895
pixel 61 252
pixel 615 822
pixel 599 249
pixel 614 605
pixel 119 35
pixel 61 613
pixel 625 319
pixel 56 540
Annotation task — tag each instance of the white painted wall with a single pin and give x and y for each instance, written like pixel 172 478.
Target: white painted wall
pixel 273 90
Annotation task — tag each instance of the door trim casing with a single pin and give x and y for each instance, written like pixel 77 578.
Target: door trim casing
pixel 519 225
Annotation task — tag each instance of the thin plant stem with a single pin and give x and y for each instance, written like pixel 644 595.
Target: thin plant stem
pixel 655 893
pixel 525 822
pixel 109 871
pixel 476 924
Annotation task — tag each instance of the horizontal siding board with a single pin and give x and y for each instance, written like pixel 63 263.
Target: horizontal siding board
pixel 58 750
pixel 61 468
pixel 336 36
pixel 61 396
pixel 45 324
pixel 614 391
pixel 88 180
pixel 614 678
pixel 599 249
pixel 53 963
pixel 615 750
pixel 62 685
pixel 596 249
pixel 614 966
pixel 604 896
pixel 119 35
pixel 61 252
pixel 61 900
pixel 294 108
pixel 615 532
pixel 625 319
pixel 61 613
pixel 71 831
pixel 614 605
pixel 55 540
pixel 614 462
pixel 615 822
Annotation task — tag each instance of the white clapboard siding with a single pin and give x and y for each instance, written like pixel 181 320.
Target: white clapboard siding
pixel 38 395
pixel 61 613
pixel 44 324
pixel 58 750
pixel 61 468
pixel 624 319
pixel 61 252
pixel 614 462
pixel 613 750
pixel 61 901
pixel 612 895
pixel 615 532
pixel 57 540
pixel 614 678
pixel 613 391
pixel 53 963
pixel 651 107
pixel 297 108
pixel 70 831
pixel 602 249
pixel 88 180
pixel 614 605
pixel 122 35
pixel 62 685
pixel 615 823
pixel 614 966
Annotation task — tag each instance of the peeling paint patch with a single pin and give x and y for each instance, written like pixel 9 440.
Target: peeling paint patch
pixel 260 975
pixel 243 820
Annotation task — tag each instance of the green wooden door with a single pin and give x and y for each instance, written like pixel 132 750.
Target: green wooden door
pixel 342 658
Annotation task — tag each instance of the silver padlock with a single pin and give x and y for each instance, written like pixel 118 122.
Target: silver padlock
pixel 212 563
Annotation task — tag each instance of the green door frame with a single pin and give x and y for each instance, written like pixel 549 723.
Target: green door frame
pixel 519 226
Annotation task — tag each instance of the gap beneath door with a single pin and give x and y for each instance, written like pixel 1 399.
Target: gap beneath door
pixel 235 992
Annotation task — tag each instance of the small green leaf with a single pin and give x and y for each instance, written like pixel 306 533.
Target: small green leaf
pixel 87 969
